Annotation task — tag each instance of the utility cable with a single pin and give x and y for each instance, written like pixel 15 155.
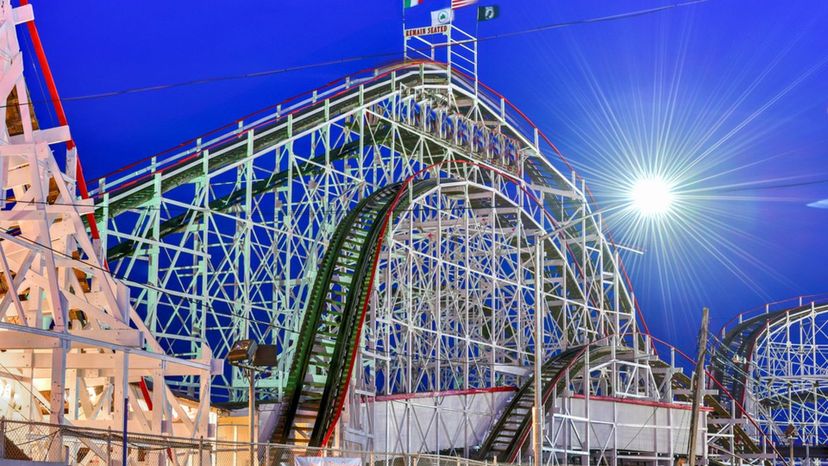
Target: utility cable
pixel 144 285
pixel 356 58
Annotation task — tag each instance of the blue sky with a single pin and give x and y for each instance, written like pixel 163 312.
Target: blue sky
pixel 734 94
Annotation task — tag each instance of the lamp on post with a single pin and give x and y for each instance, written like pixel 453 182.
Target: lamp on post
pixel 790 435
pixel 241 356
pixel 251 357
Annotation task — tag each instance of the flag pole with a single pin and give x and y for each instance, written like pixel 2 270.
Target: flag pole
pixel 405 44
pixel 476 48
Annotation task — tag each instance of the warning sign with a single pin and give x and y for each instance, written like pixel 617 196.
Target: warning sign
pixel 442 29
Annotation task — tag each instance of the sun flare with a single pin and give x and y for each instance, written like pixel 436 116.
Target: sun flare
pixel 651 196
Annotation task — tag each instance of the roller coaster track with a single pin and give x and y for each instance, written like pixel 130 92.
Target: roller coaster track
pixel 136 189
pixel 177 223
pixel 740 341
pixel 317 383
pixel 331 325
pixel 508 435
pixel 319 373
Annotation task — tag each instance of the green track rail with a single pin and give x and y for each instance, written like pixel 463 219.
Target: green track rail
pixel 140 191
pixel 179 222
pixel 317 382
pixel 318 377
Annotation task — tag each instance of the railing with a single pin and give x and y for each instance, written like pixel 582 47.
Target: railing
pixel 173 155
pixel 789 303
pixel 187 151
pixel 35 441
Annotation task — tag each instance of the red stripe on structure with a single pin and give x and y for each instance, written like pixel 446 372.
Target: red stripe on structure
pixel 444 393
pixel 61 114
pixel 635 401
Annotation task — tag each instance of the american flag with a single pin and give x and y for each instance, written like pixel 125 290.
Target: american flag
pixel 455 4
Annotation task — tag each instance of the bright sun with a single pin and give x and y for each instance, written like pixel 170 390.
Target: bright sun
pixel 651 196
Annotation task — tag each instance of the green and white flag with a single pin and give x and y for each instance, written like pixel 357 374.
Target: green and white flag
pixel 410 3
pixel 440 17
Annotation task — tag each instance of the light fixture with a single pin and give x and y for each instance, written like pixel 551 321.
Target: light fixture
pixel 250 357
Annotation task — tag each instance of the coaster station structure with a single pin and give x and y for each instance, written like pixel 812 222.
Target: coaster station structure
pixel 427 265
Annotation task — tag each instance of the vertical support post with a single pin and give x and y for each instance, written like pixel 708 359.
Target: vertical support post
pixel 438 291
pixel 2 437
pixel 537 410
pixel 125 414
pixel 154 256
pixel 790 443
pixel 57 398
pixel 698 387
pixel 251 407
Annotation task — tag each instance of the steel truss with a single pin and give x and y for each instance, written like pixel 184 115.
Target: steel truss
pixel 779 368
pixel 791 373
pixel 230 232
pixel 74 351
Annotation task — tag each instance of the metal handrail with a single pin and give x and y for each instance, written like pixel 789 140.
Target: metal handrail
pixel 39 437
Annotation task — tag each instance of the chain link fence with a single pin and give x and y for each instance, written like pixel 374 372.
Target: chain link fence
pixel 33 441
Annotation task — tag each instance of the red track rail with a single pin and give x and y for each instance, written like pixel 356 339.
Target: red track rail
pixel 727 393
pixel 386 221
pixel 377 75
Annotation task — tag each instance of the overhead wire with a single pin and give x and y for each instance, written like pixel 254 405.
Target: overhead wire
pixel 143 285
pixel 192 300
pixel 773 186
pixel 179 210
pixel 600 19
pixel 364 57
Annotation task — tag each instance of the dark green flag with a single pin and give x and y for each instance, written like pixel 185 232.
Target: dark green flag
pixel 485 13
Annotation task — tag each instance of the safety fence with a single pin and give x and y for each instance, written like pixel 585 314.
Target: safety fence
pixel 67 444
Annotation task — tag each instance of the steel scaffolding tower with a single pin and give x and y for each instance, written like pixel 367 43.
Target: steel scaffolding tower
pixel 774 361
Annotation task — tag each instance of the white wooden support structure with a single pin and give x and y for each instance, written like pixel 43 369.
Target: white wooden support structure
pixel 73 346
